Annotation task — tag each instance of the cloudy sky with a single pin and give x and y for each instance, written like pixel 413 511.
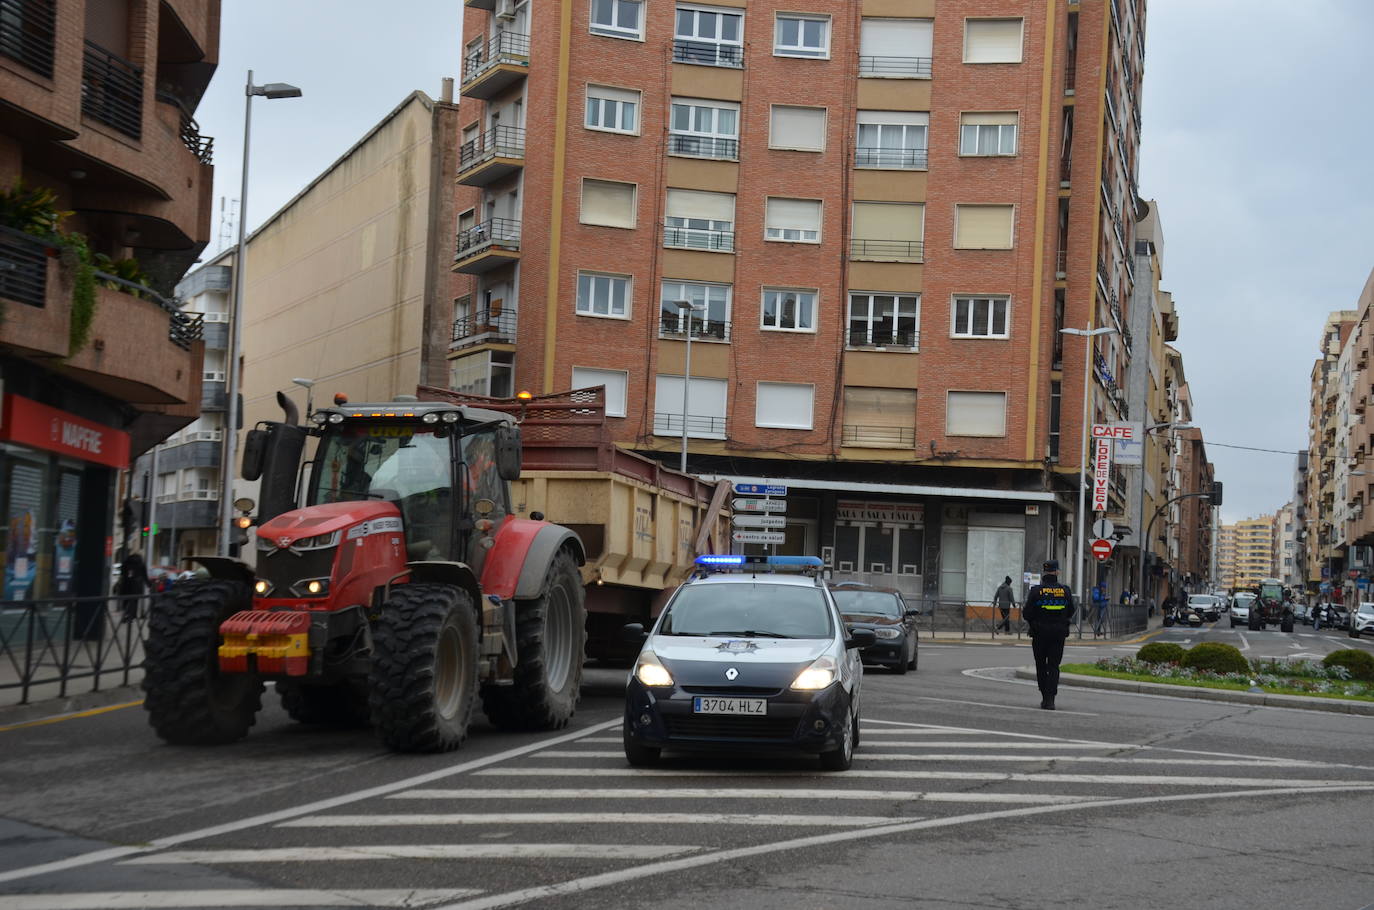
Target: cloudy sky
pixel 1257 139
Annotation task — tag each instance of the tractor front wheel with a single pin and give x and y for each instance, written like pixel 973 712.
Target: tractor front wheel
pixel 551 643
pixel 189 701
pixel 424 668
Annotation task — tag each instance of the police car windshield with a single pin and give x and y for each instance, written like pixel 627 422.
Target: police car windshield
pixel 865 603
pixel 756 609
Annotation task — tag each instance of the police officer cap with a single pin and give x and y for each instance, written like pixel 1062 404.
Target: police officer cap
pixel 1051 565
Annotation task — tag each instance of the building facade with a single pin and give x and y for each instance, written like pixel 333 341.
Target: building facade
pixel 97 361
pixel 1328 463
pixel 868 223
pixel 1254 541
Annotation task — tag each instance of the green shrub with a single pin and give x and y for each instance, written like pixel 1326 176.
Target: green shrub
pixel 1160 652
pixel 1359 663
pixel 1215 656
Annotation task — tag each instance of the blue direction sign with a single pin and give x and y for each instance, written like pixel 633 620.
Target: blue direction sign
pixel 761 489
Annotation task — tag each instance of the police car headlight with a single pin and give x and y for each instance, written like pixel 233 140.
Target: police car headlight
pixel 887 633
pixel 820 674
pixel 651 672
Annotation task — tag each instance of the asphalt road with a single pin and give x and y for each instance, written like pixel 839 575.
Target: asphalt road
pixel 963 795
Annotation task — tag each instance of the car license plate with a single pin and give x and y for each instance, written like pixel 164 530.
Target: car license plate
pixel 709 705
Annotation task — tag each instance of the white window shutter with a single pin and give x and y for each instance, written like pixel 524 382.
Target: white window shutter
pixel 608 203
pixel 983 227
pixel 896 38
pixel 699 204
pixel 900 118
pixel 992 40
pixel 787 405
pixel 976 414
pixel 889 221
pixel 794 214
pixel 797 127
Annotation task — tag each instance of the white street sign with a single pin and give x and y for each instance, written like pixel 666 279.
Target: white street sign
pixel 758 537
pixel 759 521
pixel 1103 528
pixel 759 505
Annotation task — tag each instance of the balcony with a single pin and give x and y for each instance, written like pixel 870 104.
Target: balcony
pixel 494 67
pixel 497 153
pixel 891 159
pixel 671 326
pixel 212 396
pixel 887 250
pixel 717 147
pixel 203 147
pixel 683 238
pixel 494 325
pixel 895 67
pixel 27 31
pixel 112 91
pixel 708 53
pixel 871 437
pixel 487 5
pixel 669 423
pixel 486 246
pixel 881 337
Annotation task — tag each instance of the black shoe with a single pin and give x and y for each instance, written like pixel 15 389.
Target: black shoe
pixel 1048 703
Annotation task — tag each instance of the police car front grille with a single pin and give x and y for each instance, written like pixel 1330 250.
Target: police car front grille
pixel 730 691
pixel 719 726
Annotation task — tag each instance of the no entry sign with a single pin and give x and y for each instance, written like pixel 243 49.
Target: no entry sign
pixel 1101 549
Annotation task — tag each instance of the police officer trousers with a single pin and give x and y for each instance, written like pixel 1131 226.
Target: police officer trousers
pixel 1048 648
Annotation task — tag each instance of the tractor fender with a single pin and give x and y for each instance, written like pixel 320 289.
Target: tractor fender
pixel 519 559
pixel 227 568
pixel 439 571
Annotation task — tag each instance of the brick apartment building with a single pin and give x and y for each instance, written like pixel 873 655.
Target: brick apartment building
pixel 99 102
pixel 881 213
pixel 1254 550
pixel 1329 462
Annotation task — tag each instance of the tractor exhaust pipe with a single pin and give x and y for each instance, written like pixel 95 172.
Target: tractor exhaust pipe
pixel 293 415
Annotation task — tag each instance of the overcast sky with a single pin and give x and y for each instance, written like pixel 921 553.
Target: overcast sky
pixel 1257 139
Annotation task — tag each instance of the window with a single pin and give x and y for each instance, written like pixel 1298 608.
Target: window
pixel 708 36
pixel 484 373
pixel 892 139
pixel 707 129
pixel 976 414
pixel 992 40
pixel 983 227
pixel 785 405
pixel 615 381
pixel 603 295
pixel 613 109
pixel 797 35
pixel 618 18
pixel 879 418
pixel 895 48
pixel 700 221
pixel 800 128
pixel 705 407
pixel 888 231
pixel 987 134
pixel 884 320
pixel 710 310
pixel 608 203
pixel 793 220
pixel 980 317
pixel 789 310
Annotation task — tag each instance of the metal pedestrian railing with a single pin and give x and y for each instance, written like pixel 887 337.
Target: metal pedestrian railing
pixel 56 648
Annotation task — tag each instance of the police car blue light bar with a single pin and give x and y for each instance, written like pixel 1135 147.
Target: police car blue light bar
pixel 722 560
pixel 737 559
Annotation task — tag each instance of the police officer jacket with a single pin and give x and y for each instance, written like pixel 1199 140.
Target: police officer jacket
pixel 1049 607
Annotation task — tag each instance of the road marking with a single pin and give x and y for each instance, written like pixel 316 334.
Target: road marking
pixel 584 753
pixel 722 793
pixel 618 877
pixel 984 704
pixel 234 897
pixel 1244 642
pixel 58 718
pixel 586 818
pixel 414 851
pixel 1103 759
pixel 267 818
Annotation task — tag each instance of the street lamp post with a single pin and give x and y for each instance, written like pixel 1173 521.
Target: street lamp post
pixel 685 309
pixel 270 90
pixel 1080 573
pixel 1140 512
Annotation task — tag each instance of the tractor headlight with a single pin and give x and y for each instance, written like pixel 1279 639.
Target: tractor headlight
pixel 311 587
pixel 262 587
pixel 431 417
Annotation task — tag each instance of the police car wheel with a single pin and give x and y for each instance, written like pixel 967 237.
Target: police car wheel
pixel 638 754
pixel 841 758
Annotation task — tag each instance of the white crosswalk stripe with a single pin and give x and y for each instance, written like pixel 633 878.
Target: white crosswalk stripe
pixel 414 851
pixel 234 897
pixel 585 818
pixel 729 793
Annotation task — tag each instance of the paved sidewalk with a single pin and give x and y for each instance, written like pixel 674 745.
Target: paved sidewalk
pixel 1154 625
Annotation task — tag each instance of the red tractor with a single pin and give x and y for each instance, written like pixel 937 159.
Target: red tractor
pixel 400 592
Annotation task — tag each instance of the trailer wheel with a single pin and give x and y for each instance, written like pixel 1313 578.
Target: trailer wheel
pixel 342 705
pixel 188 700
pixel 551 639
pixel 1286 624
pixel 423 683
pixel 1256 624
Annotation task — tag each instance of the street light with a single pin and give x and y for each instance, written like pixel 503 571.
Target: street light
pixel 270 90
pixel 1140 512
pixel 685 308
pixel 1087 333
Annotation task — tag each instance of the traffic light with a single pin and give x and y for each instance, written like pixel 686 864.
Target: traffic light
pixel 242 523
pixel 1215 495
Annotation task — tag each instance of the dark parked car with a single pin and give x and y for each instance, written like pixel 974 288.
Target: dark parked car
pixel 893 623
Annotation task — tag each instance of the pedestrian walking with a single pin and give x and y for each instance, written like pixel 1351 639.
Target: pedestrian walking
pixel 1004 600
pixel 1317 617
pixel 1100 609
pixel 1048 612
pixel 132 584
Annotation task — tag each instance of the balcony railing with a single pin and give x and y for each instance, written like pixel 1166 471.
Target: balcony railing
pixel 507 47
pixel 670 325
pixel 23 267
pixel 502 232
pixel 497 142
pixel 27 30
pixel 1061 263
pixel 670 424
pixel 912 159
pixel 703 146
pixel 708 53
pixel 699 239
pixel 203 147
pixel 878 437
pixel 112 91
pixel 876 336
pixel 496 325
pixel 909 67
pixel 1070 76
pixel 904 250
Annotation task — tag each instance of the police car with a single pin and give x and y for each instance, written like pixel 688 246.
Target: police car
pixel 749 654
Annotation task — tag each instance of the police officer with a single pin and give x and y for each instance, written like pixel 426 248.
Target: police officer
pixel 1048 611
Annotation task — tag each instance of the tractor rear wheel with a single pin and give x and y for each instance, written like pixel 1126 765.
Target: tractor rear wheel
pixel 188 700
pixel 423 685
pixel 340 705
pixel 1256 624
pixel 1286 624
pixel 551 642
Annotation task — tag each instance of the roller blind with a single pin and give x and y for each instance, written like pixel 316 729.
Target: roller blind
pixel 608 203
pixel 983 227
pixel 976 414
pixel 880 407
pixel 797 127
pixel 699 204
pixel 794 214
pixel 613 94
pixel 992 41
pixel 998 118
pixel 895 38
pixel 889 221
pixel 615 382
pixel 904 118
pixel 785 404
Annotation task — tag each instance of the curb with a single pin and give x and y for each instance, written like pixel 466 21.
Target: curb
pixel 51 709
pixel 1265 699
